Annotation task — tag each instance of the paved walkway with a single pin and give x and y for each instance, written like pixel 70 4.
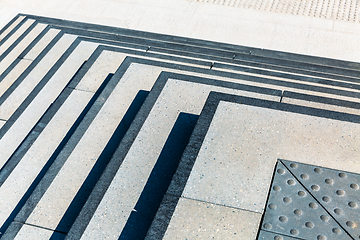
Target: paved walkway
pixel 110 133
pixel 319 36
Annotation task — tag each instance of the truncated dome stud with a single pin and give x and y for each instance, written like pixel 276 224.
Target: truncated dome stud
pixel 293 212
pixel 335 191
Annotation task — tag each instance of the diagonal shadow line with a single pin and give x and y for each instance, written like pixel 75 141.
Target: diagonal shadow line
pixel 51 160
pixel 82 195
pixel 35 132
pixel 159 180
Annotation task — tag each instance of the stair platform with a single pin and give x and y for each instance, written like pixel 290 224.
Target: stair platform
pixel 111 133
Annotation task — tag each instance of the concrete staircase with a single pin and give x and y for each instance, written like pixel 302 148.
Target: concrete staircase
pixel 111 133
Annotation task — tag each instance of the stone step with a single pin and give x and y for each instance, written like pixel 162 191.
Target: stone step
pixel 67 173
pixel 16 51
pixel 240 51
pixel 220 157
pixel 17 68
pixel 5 32
pixel 121 178
pixel 90 82
pixel 11 100
pixel 288 69
pixel 75 106
pixel 55 83
pixel 126 87
pixel 9 43
pixel 39 153
pixel 80 129
pixel 327 88
pixel 237 54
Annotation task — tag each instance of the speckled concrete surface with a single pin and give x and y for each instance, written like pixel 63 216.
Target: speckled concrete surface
pixel 74 171
pixel 106 63
pixel 35 159
pixel 244 141
pixel 241 26
pixel 137 77
pixel 37 233
pixel 15 36
pixel 9 106
pixel 9 58
pixel 139 161
pixel 200 220
pixel 225 193
pixel 48 94
pixel 11 27
pixel 44 41
pixel 321 105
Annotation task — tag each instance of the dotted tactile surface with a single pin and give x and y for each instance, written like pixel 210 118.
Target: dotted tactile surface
pixel 337 191
pixel 293 211
pixel 344 10
pixel 264 235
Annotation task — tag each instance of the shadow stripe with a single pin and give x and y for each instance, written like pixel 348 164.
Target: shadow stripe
pixel 104 158
pixel 26 51
pixel 26 144
pixel 38 188
pixel 3 29
pixel 92 109
pixel 159 180
pixel 18 40
pixel 37 89
pixel 29 68
pixel 105 180
pixel 12 31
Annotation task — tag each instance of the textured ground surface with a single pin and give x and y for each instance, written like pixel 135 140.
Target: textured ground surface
pixel 111 133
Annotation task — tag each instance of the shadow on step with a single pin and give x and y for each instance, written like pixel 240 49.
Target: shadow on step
pixel 145 209
pixel 96 172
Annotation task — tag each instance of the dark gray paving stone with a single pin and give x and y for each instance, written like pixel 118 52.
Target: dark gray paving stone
pixel 292 210
pixel 337 191
pixel 264 235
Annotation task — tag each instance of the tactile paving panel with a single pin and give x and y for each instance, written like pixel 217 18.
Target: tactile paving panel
pixel 292 211
pixel 337 191
pixel 264 235
pixel 331 9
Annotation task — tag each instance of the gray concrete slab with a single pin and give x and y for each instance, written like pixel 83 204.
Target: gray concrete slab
pixel 15 52
pixel 318 105
pixel 200 220
pixel 264 235
pixel 317 82
pixel 39 47
pixel 34 160
pixel 12 102
pixel 11 27
pixel 338 192
pixel 5 45
pixel 297 75
pixel 140 159
pixel 241 135
pixel 10 141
